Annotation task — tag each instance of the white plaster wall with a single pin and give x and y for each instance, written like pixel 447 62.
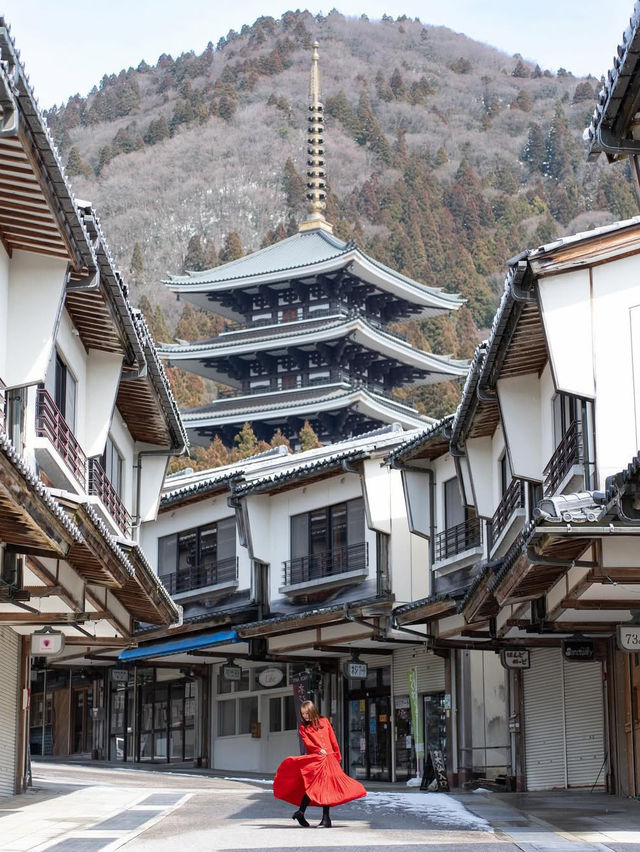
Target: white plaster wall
pixel 4 309
pixel 409 554
pixel 74 355
pixel 35 292
pixel 520 412
pixel 125 444
pixel 103 377
pixel 567 317
pixel 444 469
pixel 152 473
pixel 480 455
pixel 547 393
pixel 616 289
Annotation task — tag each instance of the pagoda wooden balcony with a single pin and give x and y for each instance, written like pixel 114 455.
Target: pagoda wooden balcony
pixel 459 544
pixel 569 468
pixel 213 578
pixel 101 487
pixel 320 573
pixel 51 425
pixel 507 519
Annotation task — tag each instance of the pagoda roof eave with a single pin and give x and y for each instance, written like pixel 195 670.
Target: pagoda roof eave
pixel 260 407
pixel 357 328
pixel 433 300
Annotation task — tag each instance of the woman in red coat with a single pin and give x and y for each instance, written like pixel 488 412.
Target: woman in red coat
pixel 315 778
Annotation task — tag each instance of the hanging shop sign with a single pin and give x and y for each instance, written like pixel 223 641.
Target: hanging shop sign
pixel 47 642
pixel 356 670
pixel 270 677
pixel 515 658
pixel 120 675
pixel 628 637
pixel 580 650
pixel 232 673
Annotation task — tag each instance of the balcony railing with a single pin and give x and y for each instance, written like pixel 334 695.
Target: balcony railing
pixel 451 542
pixel 316 566
pixel 51 424
pixel 201 576
pixel 512 499
pixel 568 453
pixel 100 486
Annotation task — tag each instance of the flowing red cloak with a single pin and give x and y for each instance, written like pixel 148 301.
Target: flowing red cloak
pixel 317 775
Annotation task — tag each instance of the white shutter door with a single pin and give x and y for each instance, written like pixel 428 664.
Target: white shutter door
pixel 430 670
pixel 584 719
pixel 543 713
pixel 9 661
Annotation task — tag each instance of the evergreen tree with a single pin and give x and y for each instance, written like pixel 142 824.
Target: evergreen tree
pixel 535 149
pixel 247 444
pixel 466 332
pixel 232 249
pixel 308 438
pixel 293 185
pixel 157 131
pixel 136 265
pixel 558 163
pixel 194 259
pixel 75 164
pixel 280 440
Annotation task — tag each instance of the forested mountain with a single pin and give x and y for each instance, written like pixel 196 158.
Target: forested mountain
pixel 444 157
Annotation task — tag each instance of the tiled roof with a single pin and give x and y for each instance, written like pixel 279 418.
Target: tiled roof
pixel 617 95
pixel 431 599
pixel 321 610
pixel 108 538
pixel 253 405
pixel 311 462
pixel 7 448
pixel 468 398
pixel 181 487
pixel 305 254
pixel 423 437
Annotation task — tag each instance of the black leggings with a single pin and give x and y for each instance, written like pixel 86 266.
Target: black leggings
pixel 305 802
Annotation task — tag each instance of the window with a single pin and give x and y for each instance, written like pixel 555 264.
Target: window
pixel 61 384
pixel 505 474
pixel 202 556
pixel 111 462
pixel 282 714
pixel 454 512
pixel 327 541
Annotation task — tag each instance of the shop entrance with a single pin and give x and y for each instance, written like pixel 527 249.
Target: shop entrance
pixel 368 715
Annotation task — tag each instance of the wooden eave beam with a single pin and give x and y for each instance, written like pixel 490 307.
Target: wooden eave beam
pixel 295 624
pixel 591 604
pixel 50 617
pixel 424 614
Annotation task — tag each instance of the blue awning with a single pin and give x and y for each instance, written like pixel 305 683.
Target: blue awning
pixel 179 645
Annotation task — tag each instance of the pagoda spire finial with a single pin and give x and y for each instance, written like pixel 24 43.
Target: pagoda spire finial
pixel 316 185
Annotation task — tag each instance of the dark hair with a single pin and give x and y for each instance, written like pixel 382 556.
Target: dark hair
pixel 314 716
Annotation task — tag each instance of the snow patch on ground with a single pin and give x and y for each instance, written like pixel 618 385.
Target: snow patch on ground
pixel 435 807
pixel 268 781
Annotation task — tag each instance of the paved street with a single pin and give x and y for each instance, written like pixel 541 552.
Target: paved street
pixel 76 808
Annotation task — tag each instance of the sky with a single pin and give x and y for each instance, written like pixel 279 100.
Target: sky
pixel 68 45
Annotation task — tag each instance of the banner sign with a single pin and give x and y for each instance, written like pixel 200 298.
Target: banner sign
pixel 416 716
pixel 355 670
pixel 515 658
pixel 47 642
pixel 232 673
pixel 628 637
pixel 580 650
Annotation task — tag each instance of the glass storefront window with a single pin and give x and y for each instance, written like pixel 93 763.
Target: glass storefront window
pixel 248 714
pixel 290 718
pixel 226 718
pixel 275 715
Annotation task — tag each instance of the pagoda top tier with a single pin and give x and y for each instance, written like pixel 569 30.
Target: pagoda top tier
pixel 287 271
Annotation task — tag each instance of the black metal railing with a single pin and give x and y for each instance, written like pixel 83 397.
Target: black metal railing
pixel 327 564
pixel 569 452
pixel 201 576
pixel 512 499
pixel 51 424
pixel 455 540
pixel 100 486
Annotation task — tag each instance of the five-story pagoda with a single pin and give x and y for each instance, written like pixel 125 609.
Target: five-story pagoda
pixel 311 341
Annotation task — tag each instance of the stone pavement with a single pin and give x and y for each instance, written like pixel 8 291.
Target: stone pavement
pixel 86 808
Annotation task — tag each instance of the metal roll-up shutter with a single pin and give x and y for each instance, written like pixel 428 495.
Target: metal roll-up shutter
pixel 544 726
pixel 9 666
pixel 584 721
pixel 431 670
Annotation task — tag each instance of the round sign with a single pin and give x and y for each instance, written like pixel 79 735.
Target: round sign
pixel 270 677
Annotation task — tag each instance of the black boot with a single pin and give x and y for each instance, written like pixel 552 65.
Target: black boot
pixel 299 814
pixel 325 822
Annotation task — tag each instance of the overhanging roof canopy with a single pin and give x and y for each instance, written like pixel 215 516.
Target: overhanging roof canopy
pixel 179 646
